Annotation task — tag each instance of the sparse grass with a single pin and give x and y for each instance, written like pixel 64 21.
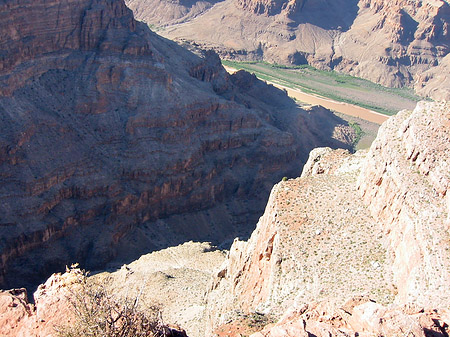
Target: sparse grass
pixel 98 313
pixel 333 85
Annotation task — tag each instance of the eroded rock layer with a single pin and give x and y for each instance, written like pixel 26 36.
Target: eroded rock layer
pixel 389 42
pixel 108 128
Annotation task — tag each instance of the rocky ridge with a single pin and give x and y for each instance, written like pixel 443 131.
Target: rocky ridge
pixel 115 141
pixel 394 43
pixel 318 240
pixel 52 308
pixel 405 182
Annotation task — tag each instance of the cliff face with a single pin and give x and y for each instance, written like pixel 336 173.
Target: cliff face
pixel 271 7
pixel 389 42
pixel 107 128
pixel 318 240
pixel 394 42
pixel 405 182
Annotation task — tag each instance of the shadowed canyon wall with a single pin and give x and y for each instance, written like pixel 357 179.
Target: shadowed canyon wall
pixel 108 128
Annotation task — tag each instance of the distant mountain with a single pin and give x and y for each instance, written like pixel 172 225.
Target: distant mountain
pixel 394 43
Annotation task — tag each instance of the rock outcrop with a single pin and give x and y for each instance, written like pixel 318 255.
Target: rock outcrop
pixel 316 241
pixel 405 182
pixel 271 7
pixel 174 279
pixel 112 134
pixel 319 240
pixel 359 317
pixel 389 42
pixel 52 309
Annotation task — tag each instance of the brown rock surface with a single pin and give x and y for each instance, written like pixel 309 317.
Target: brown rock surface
pixel 175 279
pixel 52 309
pixel 389 42
pixel 162 13
pixel 358 317
pixel 19 318
pixel 115 141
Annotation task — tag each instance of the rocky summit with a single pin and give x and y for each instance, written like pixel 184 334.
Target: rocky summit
pixel 394 43
pixel 116 141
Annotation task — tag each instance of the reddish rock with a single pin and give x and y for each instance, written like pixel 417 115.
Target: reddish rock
pixel 364 320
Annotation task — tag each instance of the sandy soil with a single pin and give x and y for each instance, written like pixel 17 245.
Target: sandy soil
pixel 345 108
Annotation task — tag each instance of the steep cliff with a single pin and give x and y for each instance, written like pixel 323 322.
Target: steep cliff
pixel 389 42
pixel 108 128
pixel 318 240
pixel 405 182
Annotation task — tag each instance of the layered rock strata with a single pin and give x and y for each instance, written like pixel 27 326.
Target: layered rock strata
pixel 389 42
pixel 108 128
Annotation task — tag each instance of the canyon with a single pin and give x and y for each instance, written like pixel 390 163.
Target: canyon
pixel 358 245
pixel 149 165
pixel 393 43
pixel 320 242
pixel 116 142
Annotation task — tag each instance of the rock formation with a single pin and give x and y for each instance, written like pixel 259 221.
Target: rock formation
pixel 115 141
pixel 323 259
pixel 358 317
pixel 174 278
pixel 389 42
pixel 405 182
pixel 52 309
pixel 318 240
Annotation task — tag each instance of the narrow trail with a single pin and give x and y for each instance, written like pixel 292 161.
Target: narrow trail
pixel 345 108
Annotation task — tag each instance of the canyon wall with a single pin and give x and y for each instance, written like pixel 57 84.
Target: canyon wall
pixel 108 128
pixel 393 43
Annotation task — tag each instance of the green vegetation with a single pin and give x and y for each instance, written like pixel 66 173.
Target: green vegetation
pixel 358 131
pixel 333 85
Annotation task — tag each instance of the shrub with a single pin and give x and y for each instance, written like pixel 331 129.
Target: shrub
pixel 98 313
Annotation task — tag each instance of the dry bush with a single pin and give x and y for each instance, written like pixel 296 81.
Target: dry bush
pixel 98 313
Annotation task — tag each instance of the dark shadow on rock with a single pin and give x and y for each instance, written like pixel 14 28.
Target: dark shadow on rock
pixel 327 14
pixel 135 145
